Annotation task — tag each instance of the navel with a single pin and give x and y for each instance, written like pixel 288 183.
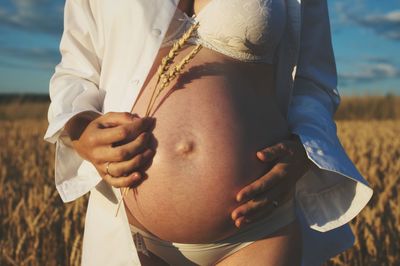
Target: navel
pixel 185 147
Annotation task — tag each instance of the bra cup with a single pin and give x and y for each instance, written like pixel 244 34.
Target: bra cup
pixel 243 26
pixel 244 29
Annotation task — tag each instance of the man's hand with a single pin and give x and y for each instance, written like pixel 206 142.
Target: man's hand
pixel 117 144
pixel 289 163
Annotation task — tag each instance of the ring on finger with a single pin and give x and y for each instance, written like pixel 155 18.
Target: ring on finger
pixel 108 169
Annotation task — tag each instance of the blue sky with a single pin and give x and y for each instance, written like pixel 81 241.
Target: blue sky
pixel 366 40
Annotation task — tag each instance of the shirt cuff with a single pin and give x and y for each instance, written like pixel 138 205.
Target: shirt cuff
pixel 332 192
pixel 57 124
pixel 74 176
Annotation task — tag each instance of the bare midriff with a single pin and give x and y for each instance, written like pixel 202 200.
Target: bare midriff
pixel 217 114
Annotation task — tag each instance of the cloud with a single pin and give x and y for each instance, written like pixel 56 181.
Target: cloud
pixel 387 25
pixel 45 16
pixel 354 12
pixel 34 58
pixel 34 53
pixel 343 11
pixel 378 59
pixel 375 71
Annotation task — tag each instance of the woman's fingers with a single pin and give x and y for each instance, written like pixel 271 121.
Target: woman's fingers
pixel 122 174
pixel 126 167
pixel 273 152
pixel 275 175
pixel 243 220
pixel 266 210
pixel 116 137
pixel 122 181
pixel 123 132
pixel 129 150
pixel 260 201
pixel 109 153
pixel 277 184
pixel 112 119
pixel 259 212
pixel 262 206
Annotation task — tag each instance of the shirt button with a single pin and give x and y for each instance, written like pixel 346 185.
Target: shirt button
pixel 309 149
pixel 156 32
pixel 320 152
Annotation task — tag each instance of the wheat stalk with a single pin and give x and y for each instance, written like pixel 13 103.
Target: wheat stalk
pixel 168 77
pixel 168 59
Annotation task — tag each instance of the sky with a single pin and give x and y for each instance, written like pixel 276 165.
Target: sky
pixel 365 37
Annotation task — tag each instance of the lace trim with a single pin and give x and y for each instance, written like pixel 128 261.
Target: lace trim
pixel 140 245
pixel 242 56
pixel 187 21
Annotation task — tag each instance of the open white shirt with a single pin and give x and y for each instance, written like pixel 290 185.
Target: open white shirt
pixel 107 50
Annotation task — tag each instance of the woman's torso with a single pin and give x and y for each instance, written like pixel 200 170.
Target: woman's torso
pixel 220 113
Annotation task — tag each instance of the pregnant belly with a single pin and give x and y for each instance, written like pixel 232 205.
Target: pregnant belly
pixel 207 133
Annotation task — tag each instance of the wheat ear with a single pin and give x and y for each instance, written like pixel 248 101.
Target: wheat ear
pixel 167 78
pixel 176 70
pixel 168 59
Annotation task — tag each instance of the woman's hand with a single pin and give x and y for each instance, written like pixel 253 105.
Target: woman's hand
pixel 289 163
pixel 118 141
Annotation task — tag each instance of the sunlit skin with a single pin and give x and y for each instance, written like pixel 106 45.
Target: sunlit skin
pixel 285 159
pixel 180 143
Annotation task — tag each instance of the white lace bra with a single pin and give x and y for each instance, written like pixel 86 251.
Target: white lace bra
pixel 248 30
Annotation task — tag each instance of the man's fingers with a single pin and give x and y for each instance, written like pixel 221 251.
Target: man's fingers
pixel 122 181
pixel 262 184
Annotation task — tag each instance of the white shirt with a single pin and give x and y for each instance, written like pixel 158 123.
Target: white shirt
pixel 107 50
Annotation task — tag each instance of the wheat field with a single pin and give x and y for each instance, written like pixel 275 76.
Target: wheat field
pixel 38 229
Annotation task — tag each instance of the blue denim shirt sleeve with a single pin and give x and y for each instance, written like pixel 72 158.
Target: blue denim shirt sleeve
pixel 334 192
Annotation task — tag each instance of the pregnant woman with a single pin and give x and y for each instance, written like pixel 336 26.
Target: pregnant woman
pixel 203 190
pixel 209 127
